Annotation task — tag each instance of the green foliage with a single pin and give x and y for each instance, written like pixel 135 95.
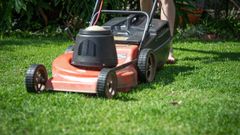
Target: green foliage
pixel 42 16
pixel 224 25
pixel 224 28
pixel 37 14
pixel 6 14
pixel 13 11
pixel 183 4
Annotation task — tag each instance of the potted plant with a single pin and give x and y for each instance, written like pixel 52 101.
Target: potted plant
pixel 189 11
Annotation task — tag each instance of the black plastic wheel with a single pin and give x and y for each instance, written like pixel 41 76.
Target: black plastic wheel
pixel 107 83
pixel 69 49
pixel 36 78
pixel 146 66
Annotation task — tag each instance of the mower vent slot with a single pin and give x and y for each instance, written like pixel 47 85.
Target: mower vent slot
pixel 87 48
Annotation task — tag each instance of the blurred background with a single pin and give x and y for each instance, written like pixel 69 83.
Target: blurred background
pixel 206 19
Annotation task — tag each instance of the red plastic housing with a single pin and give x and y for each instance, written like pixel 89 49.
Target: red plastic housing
pixel 67 77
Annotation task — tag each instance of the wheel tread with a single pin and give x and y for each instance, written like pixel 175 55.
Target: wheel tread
pixel 143 56
pixel 101 84
pixel 29 78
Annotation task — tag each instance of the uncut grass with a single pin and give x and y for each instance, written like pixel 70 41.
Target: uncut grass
pixel 198 95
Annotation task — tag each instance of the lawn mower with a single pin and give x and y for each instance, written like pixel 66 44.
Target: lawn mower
pixel 104 60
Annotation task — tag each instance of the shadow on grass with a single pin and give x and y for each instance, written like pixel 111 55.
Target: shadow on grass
pixel 120 97
pixel 165 77
pixel 219 56
pixel 125 98
pixel 168 74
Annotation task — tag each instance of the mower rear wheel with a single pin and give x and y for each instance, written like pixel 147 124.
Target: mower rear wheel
pixel 36 78
pixel 146 66
pixel 107 83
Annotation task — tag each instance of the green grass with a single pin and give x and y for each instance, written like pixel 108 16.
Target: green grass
pixel 198 95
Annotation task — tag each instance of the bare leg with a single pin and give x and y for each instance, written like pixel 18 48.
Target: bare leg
pixel 168 13
pixel 146 5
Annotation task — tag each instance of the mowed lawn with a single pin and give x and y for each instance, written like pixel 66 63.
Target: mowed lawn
pixel 199 95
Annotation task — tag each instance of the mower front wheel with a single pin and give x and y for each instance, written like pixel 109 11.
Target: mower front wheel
pixel 36 78
pixel 107 83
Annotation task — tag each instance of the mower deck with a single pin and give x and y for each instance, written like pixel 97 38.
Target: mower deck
pixel 106 59
pixel 67 77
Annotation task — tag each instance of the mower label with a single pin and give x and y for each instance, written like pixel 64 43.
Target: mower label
pixel 122 56
pixel 121 38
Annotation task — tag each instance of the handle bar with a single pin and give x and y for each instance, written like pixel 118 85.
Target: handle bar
pixel 149 17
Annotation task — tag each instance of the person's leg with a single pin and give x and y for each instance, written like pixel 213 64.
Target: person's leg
pixel 168 12
pixel 146 5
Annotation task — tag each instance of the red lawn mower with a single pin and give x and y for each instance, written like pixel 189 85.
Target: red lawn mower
pixel 117 56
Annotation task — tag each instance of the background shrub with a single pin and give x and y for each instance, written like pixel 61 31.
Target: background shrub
pixel 54 15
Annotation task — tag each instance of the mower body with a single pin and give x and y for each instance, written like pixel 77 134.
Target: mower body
pixel 122 53
pixel 67 77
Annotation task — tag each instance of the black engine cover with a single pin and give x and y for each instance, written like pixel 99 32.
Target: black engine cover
pixel 94 49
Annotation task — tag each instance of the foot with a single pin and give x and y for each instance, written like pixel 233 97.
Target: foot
pixel 171 59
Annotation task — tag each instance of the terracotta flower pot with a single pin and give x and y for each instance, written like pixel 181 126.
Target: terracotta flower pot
pixel 193 16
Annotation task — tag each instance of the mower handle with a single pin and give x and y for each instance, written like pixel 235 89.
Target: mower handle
pixel 133 12
pixel 148 22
